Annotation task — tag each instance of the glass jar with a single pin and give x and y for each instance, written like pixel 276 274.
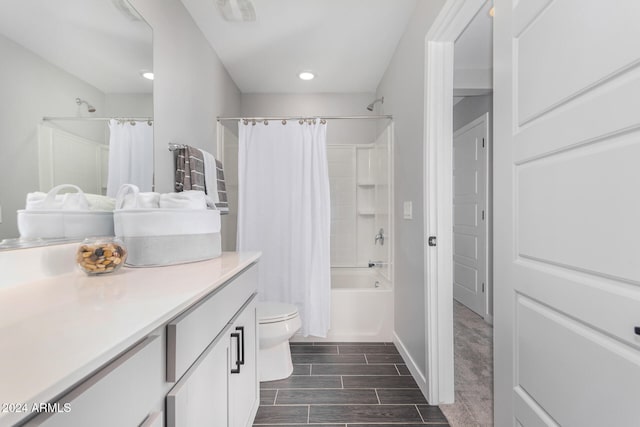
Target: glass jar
pixel 101 255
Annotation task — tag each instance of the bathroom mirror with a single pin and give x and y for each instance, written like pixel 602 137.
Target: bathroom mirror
pixel 68 66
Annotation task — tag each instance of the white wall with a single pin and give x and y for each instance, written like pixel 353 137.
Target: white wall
pixel 470 108
pixel 403 89
pixel 330 104
pixel 128 105
pixel 191 85
pixel 32 88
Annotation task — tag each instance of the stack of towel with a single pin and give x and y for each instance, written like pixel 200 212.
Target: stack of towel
pixel 199 170
pixel 130 197
pixel 78 201
pixel 71 214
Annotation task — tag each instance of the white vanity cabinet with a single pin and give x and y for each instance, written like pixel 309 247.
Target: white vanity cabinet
pixel 221 388
pixel 198 366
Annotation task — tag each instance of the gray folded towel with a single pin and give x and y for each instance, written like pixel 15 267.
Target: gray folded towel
pixel 189 169
pixel 222 204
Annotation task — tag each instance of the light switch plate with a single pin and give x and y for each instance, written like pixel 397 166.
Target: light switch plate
pixel 408 210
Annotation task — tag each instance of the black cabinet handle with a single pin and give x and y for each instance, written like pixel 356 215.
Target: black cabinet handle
pixel 637 330
pixel 236 335
pixel 241 329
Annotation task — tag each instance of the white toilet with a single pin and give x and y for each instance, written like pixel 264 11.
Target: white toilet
pixel 277 322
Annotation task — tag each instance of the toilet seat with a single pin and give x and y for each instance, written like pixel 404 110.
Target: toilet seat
pixel 273 312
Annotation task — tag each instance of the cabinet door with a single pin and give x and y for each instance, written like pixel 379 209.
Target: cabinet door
pixel 120 394
pixel 243 385
pixel 200 397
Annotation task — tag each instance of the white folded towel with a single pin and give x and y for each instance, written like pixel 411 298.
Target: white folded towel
pixel 78 201
pixel 130 197
pixel 99 202
pixel 210 176
pixel 36 200
pixel 190 199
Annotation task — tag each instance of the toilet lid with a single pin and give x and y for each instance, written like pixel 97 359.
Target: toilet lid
pixel 269 312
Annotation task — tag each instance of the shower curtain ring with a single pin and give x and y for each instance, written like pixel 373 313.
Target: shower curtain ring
pixel 301 121
pixel 284 122
pixel 245 121
pixel 323 122
pixel 314 121
pixel 253 122
pixel 266 122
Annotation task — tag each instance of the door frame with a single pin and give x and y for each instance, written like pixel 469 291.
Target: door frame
pixel 484 118
pixel 450 23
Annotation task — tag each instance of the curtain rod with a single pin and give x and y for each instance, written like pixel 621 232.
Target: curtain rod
pixel 126 119
pixel 387 116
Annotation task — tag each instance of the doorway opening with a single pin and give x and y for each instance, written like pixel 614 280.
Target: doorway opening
pixel 457 209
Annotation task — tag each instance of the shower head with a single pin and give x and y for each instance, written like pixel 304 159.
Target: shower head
pixel 90 107
pixel 380 100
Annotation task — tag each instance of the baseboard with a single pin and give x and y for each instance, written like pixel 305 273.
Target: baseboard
pixel 411 365
pixel 489 319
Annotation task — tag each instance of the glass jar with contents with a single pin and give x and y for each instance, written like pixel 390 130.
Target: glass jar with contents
pixel 100 255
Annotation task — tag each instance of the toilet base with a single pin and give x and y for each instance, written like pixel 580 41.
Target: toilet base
pixel 274 363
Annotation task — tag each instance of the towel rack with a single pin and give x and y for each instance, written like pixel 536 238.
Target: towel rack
pixel 174 147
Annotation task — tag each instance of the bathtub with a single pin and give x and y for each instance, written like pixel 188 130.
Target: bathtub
pixel 361 307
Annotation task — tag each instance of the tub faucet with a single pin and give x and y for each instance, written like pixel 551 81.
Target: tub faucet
pixel 380 237
pixel 376 263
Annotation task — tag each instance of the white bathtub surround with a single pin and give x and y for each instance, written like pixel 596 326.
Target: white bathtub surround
pixel 284 211
pixel 130 156
pixel 361 307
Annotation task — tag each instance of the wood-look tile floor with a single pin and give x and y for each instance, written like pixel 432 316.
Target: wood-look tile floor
pixel 346 384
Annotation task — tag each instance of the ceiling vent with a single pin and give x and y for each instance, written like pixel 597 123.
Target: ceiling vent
pixel 237 10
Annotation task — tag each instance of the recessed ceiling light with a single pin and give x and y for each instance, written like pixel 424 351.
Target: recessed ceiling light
pixel 147 75
pixel 306 75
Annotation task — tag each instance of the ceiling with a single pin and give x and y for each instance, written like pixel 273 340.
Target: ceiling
pixel 348 44
pixel 94 40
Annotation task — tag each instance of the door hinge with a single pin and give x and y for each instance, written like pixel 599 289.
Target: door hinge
pixel 483 215
pixel 482 142
pixel 432 240
pixel 483 288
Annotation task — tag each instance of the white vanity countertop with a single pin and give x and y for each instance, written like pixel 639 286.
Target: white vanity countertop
pixel 57 331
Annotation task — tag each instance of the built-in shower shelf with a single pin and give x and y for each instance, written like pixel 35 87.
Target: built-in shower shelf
pixel 366 213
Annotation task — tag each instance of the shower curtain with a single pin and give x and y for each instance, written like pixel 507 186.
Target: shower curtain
pixel 130 156
pixel 284 212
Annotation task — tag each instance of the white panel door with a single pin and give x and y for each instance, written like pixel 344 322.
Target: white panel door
pixel 567 213
pixel 469 214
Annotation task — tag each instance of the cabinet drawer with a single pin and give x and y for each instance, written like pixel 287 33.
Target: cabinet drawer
pixel 200 397
pixel 121 394
pixel 189 334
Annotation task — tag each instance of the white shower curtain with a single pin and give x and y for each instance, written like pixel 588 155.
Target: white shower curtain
pixel 284 211
pixel 130 156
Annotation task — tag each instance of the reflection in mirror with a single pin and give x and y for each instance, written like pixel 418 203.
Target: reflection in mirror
pixel 75 108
